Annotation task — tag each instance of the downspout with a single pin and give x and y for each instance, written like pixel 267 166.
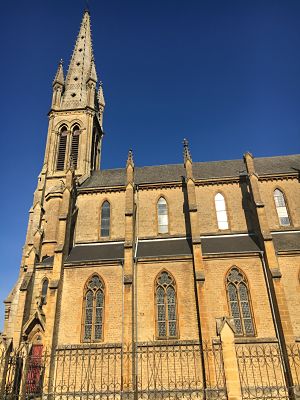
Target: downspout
pixel 196 283
pixel 134 313
pixel 122 332
pixel 278 331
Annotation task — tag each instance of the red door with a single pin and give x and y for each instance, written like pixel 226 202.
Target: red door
pixel 34 374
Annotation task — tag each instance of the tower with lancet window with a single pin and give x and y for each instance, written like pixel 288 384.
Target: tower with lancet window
pixel 73 151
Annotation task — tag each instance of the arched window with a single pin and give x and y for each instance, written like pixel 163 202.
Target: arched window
pixel 75 145
pixel 45 290
pixel 239 302
pixel 162 216
pixel 221 211
pixel 281 208
pixel 93 309
pixel 105 219
pixel 165 295
pixel 60 162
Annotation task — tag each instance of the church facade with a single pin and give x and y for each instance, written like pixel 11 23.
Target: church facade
pixel 170 281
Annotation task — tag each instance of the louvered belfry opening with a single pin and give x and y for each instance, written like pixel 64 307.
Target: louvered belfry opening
pixel 75 145
pixel 60 164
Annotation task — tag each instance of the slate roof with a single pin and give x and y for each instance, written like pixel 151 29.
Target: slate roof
pixel 230 244
pixel 202 170
pixel 96 252
pixel 161 248
pixel 277 165
pixel 48 261
pixel 287 241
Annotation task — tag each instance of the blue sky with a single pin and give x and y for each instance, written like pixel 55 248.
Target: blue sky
pixel 224 74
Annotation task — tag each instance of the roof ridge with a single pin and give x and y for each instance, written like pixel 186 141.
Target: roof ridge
pixel 282 156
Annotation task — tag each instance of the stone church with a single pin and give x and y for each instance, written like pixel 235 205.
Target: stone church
pixel 170 281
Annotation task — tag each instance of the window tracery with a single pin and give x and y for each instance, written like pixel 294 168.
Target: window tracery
pixel 93 309
pixel 239 302
pixel 166 306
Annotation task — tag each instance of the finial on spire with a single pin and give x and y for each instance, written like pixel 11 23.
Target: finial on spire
pixel 87 8
pixel 186 151
pixel 130 158
pixel 59 76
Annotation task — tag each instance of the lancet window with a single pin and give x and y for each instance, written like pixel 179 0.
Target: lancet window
pixel 105 219
pixel 239 302
pixel 61 153
pixel 75 145
pixel 221 211
pixel 93 310
pixel 165 294
pixel 162 216
pixel 44 290
pixel 281 208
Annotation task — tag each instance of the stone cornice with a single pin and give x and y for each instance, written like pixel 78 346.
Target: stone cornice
pixel 279 177
pixel 101 189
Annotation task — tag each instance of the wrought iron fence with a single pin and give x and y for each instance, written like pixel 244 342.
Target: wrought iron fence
pixel 261 371
pixel 294 359
pixel 109 372
pixel 180 370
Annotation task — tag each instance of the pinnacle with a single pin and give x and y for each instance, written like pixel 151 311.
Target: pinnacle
pixel 59 76
pixel 100 95
pixel 186 151
pixel 93 74
pixel 130 158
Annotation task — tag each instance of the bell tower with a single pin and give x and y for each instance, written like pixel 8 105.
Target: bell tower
pixel 73 148
pixel 73 151
pixel 76 114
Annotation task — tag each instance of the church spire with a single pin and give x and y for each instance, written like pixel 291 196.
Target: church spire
pixel 77 138
pixel 81 67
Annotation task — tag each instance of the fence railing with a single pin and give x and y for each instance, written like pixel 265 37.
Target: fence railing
pixel 294 360
pixel 179 370
pixel 261 371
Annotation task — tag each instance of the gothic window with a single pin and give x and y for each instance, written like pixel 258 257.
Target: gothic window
pixel 75 145
pixel 165 295
pixel 93 309
pixel 60 162
pixel 239 302
pixel 281 208
pixel 105 219
pixel 162 216
pixel 45 290
pixel 221 211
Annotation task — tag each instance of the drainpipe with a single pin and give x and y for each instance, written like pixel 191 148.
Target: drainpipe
pixel 122 333
pixel 134 313
pixel 278 329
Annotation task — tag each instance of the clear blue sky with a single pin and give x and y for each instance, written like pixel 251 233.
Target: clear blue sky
pixel 225 74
